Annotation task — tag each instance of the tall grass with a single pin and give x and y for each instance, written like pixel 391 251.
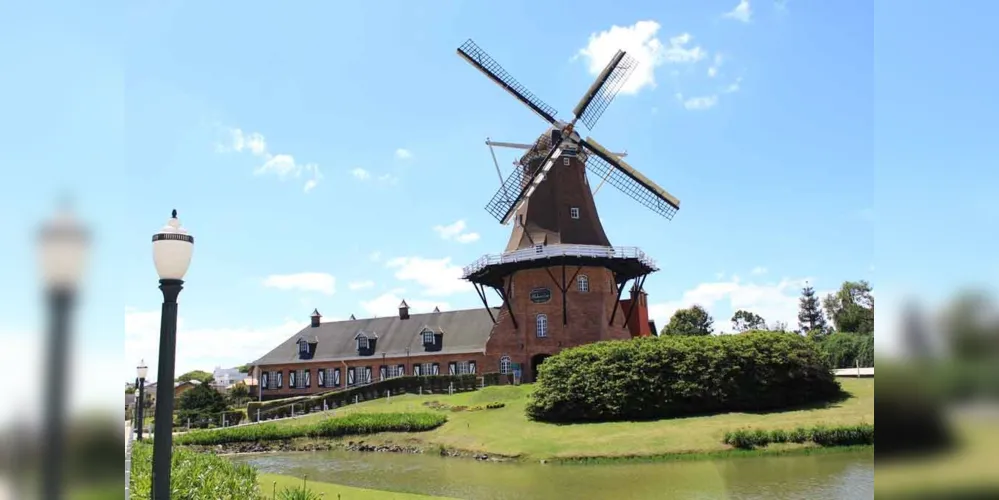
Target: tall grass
pixel 354 424
pixel 847 435
pixel 194 476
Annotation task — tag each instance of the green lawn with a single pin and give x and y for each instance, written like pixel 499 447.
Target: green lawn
pixel 506 431
pixel 333 491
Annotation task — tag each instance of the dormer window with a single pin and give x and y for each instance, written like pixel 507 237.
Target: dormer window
pixel 428 336
pixel 303 347
pixel 362 343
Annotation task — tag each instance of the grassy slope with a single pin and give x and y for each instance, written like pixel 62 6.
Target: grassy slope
pixel 333 490
pixel 506 431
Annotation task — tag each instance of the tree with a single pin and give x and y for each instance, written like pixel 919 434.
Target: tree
pixel 691 321
pixel 200 405
pixel 810 317
pixel 199 375
pixel 743 321
pixel 852 307
pixel 239 393
pixel 129 389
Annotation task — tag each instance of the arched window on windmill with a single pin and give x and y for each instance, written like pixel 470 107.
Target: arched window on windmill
pixel 541 323
pixel 583 283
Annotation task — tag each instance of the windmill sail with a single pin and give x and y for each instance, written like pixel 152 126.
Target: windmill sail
pixel 478 58
pixel 604 89
pixel 630 181
pixel 520 185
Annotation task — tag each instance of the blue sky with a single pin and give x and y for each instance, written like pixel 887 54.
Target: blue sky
pixel 787 156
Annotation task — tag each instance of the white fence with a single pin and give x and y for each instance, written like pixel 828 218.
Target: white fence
pixel 546 251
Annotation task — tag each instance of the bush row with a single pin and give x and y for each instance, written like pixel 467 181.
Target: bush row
pixel 354 424
pixel 661 377
pixel 193 475
pixel 437 405
pixel 846 350
pixel 824 436
pixel 336 399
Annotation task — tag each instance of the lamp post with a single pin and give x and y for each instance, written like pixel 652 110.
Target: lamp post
pixel 172 249
pixel 62 256
pixel 142 370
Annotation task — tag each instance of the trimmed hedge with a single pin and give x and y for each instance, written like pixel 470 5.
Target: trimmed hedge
pixel 354 424
pixel 672 376
pixel 193 475
pixel 301 405
pixel 823 436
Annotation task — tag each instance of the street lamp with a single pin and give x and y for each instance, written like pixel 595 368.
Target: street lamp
pixel 62 255
pixel 172 249
pixel 142 370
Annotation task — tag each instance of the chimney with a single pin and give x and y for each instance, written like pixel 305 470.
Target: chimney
pixel 638 323
pixel 315 318
pixel 403 310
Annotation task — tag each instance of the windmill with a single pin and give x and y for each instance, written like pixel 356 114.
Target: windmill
pixel 562 139
pixel 526 147
pixel 556 228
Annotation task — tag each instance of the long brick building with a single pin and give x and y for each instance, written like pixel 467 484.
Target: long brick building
pixel 559 280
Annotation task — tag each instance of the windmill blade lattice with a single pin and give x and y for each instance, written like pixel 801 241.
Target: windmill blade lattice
pixel 591 107
pixel 628 180
pixel 481 60
pixel 520 185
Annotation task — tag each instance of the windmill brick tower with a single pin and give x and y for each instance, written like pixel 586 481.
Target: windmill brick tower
pixel 559 278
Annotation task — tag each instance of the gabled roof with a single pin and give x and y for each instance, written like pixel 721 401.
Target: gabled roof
pixel 468 330
pixel 367 335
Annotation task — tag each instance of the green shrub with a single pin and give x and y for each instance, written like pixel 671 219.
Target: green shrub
pixel 662 377
pixel 301 405
pixel 823 436
pixel 193 476
pixel 354 424
pixel 846 350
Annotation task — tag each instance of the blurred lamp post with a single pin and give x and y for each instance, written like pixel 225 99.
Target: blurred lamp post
pixel 142 370
pixel 172 249
pixel 62 255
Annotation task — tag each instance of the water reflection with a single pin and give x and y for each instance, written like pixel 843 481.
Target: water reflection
pixel 826 476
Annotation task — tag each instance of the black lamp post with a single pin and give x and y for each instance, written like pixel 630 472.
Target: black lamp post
pixel 142 370
pixel 62 252
pixel 172 249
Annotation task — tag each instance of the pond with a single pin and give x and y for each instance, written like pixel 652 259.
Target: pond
pixel 845 475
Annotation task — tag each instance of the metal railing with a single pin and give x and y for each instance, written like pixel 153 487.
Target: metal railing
pixel 548 251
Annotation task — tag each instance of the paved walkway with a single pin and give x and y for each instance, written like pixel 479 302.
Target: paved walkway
pixel 128 457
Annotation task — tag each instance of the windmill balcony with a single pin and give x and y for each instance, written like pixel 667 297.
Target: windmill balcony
pixel 560 253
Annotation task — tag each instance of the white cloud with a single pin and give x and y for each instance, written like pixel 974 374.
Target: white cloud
pixel 438 276
pixel 281 165
pixel 403 154
pixel 713 69
pixel 698 103
pixel 304 282
pixel 773 301
pixel 387 304
pixel 733 87
pixel 741 12
pixel 200 348
pixel 360 174
pixel 758 270
pixel 640 42
pixel 456 232
pixel 360 285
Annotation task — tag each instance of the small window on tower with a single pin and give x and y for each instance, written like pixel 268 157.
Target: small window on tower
pixel 565 160
pixel 574 212
pixel 539 248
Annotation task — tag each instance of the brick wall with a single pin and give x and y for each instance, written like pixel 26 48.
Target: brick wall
pixel 587 316
pixel 375 362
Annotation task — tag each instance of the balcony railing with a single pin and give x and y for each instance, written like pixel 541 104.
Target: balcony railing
pixel 547 251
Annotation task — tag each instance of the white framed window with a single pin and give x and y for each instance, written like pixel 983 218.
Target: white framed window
pixel 574 212
pixel 541 323
pixel 505 367
pixel 583 283
pixel 300 378
pixel 395 371
pixel 427 369
pixel 362 343
pixel 565 160
pixel 303 347
pixel 428 336
pixel 539 248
